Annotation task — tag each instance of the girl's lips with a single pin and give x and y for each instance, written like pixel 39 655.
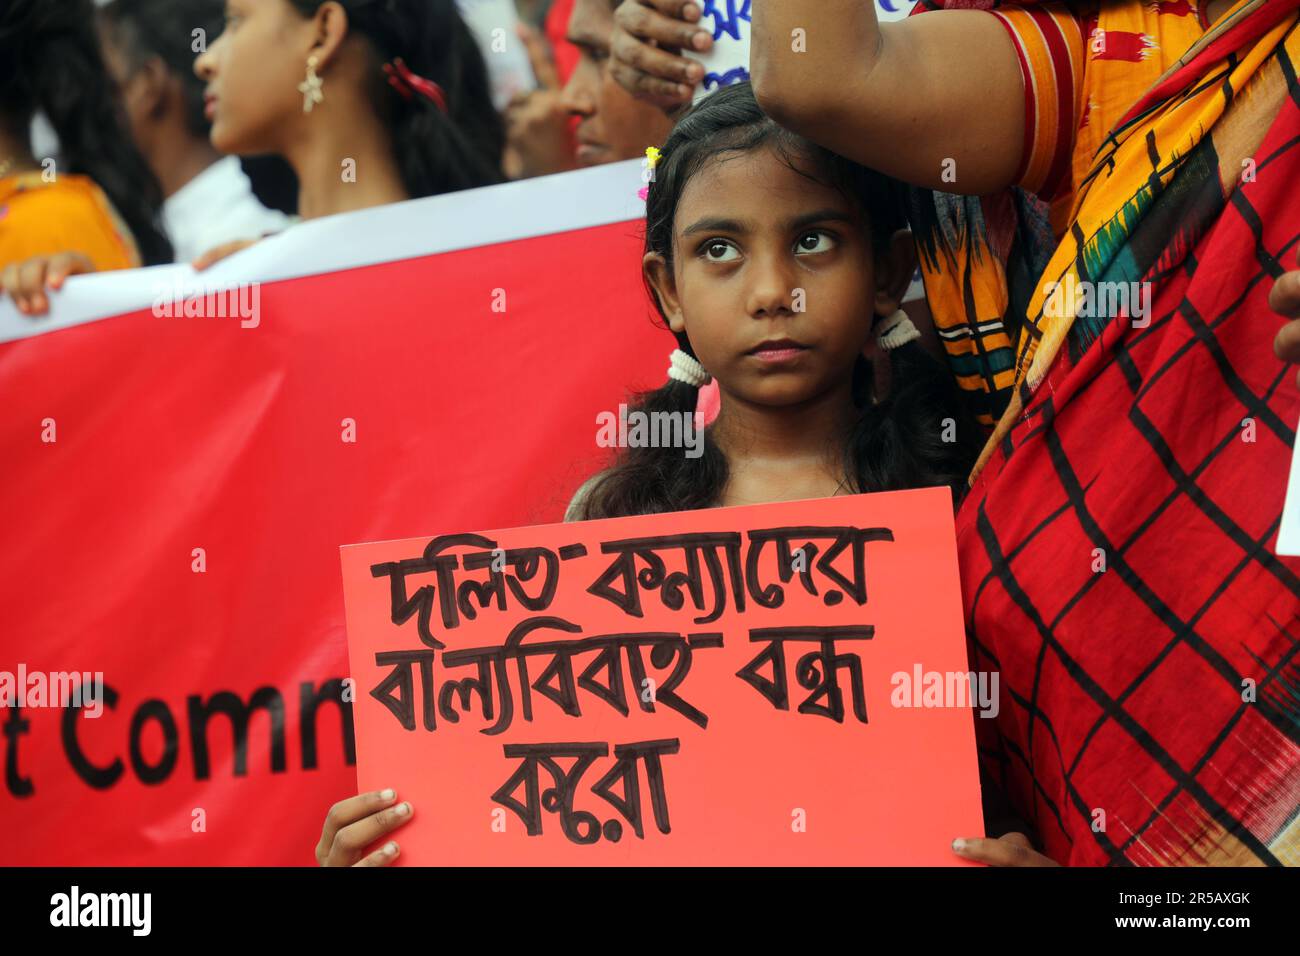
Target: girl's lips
pixel 209 106
pixel 779 354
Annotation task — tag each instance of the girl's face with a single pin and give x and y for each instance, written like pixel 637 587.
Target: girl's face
pixel 773 279
pixel 253 70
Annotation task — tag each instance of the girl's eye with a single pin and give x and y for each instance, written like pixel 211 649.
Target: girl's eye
pixel 719 251
pixel 814 242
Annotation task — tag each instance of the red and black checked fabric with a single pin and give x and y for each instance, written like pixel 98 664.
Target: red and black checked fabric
pixel 1163 451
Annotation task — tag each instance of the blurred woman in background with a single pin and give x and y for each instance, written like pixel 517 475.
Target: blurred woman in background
pixel 99 198
pixel 370 101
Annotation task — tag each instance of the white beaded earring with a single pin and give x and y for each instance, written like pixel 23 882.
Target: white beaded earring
pixel 310 88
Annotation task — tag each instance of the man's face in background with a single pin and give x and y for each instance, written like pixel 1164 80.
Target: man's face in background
pixel 613 125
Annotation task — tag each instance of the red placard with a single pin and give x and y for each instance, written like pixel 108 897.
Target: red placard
pixel 774 684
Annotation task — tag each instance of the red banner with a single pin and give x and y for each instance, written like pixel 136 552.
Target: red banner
pixel 178 479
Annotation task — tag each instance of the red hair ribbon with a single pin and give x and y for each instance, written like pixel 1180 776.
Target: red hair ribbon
pixel 405 82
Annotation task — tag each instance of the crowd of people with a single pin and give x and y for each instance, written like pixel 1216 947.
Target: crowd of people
pixel 1013 150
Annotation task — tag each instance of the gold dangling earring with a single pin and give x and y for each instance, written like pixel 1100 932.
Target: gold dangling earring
pixel 310 88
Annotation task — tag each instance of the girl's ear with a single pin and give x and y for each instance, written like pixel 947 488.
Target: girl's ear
pixel 894 271
pixel 331 23
pixel 659 276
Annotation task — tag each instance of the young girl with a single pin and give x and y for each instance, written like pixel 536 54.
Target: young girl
pixel 776 265
pixel 370 101
pixel 779 267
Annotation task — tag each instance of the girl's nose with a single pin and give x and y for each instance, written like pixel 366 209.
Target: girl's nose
pixel 772 287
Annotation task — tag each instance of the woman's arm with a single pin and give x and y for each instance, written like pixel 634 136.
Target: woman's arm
pixel 936 100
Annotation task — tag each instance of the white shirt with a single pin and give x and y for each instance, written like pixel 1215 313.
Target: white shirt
pixel 215 207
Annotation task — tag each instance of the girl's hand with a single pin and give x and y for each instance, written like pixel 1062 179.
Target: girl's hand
pixel 1285 301
pixel 1011 849
pixel 213 256
pixel 26 282
pixel 353 824
pixel 647 37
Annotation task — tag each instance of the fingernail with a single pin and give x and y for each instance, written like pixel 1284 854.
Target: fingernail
pixel 701 40
pixel 695 72
pixel 390 848
pixel 403 809
pixel 387 794
pixel 958 845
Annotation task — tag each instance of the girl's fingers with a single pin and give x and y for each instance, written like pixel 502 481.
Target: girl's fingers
pixel 382 857
pixel 26 282
pixel 9 281
pixel 31 287
pixel 213 256
pixel 209 257
pixel 349 811
pixel 59 268
pixel 1019 839
pixel 67 264
pixel 351 841
pixel 1014 849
